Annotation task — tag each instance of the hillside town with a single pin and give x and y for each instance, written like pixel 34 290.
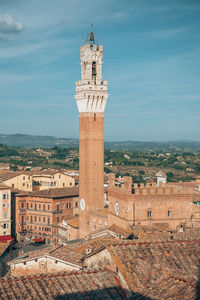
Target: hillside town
pixel 86 234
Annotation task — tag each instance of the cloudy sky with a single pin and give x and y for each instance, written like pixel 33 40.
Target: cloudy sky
pixel 151 62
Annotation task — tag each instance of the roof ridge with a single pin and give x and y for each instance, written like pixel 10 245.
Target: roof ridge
pixel 56 274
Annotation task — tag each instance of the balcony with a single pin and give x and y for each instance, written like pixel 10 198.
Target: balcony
pixel 57 211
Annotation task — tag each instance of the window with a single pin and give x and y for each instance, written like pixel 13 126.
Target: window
pixel 43 206
pixel 95 117
pixel 22 205
pixel 5 205
pixel 39 206
pixel 27 205
pixel 5 196
pixel 68 205
pixel 22 219
pixel 39 219
pixel 76 205
pixel 23 184
pixel 29 177
pixel 31 205
pixel 169 213
pixel 70 183
pixel 31 219
pixel 43 219
pixel 48 207
pixel 5 215
pixel 48 221
pixel 35 219
pixel 57 207
pixel 24 177
pixel 63 184
pixel 94 73
pixel 57 219
pixel 35 206
pixel 5 226
pixel 13 185
pixel 149 213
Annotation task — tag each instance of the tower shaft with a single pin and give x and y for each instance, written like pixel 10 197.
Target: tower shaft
pixel 91 97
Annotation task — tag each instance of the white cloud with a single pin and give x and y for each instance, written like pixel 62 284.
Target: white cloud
pixel 163 34
pixel 9 26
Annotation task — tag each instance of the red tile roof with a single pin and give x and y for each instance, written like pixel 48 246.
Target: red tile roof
pixel 53 193
pixel 101 284
pixel 74 222
pixel 159 270
pixel 4 187
pixel 3 247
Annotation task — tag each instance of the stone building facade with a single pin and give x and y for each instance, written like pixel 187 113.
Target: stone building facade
pixel 38 214
pixel 5 212
pixel 17 180
pixel 164 206
pixel 51 179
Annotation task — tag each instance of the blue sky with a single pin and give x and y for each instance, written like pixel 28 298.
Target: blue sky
pixel 151 62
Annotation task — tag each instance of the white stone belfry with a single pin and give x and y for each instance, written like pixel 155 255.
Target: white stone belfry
pixel 91 91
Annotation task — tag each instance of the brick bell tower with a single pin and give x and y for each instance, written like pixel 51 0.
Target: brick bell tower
pixel 91 96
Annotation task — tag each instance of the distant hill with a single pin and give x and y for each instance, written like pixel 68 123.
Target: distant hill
pixel 25 140
pixel 169 146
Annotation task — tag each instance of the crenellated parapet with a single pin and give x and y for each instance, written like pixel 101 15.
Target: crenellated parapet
pixel 125 185
pixel 121 185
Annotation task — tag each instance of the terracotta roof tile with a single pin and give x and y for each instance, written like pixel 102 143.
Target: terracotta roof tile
pixel 4 187
pixel 3 247
pixel 53 193
pixel 9 175
pixel 74 222
pixel 161 270
pixel 101 284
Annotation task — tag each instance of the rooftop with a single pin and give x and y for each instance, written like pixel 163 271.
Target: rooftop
pixel 53 193
pixel 10 175
pixel 3 186
pixel 3 247
pixel 161 174
pixel 159 270
pixel 74 222
pixel 101 284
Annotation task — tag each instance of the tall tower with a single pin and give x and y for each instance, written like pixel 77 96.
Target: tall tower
pixel 91 97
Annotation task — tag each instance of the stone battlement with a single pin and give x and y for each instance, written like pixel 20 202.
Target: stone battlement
pixel 125 185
